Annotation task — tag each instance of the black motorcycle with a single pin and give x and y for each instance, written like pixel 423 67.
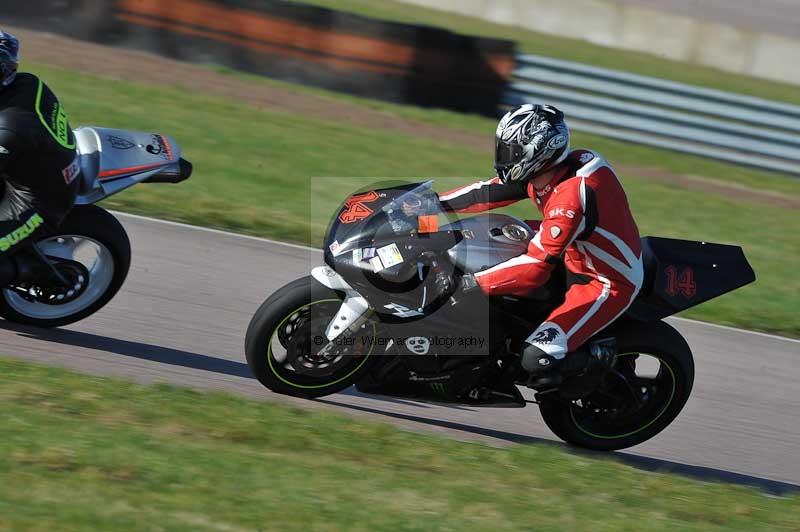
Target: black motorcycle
pixel 374 317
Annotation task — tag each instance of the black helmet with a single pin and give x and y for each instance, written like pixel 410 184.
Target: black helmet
pixel 9 58
pixel 530 140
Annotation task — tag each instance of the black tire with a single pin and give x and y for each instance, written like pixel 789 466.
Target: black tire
pixel 658 340
pixel 271 315
pixel 100 225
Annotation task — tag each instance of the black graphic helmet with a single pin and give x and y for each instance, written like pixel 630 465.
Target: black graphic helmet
pixel 530 139
pixel 9 58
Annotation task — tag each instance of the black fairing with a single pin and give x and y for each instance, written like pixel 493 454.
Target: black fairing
pixel 680 274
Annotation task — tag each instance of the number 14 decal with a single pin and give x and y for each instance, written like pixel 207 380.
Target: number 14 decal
pixel 680 282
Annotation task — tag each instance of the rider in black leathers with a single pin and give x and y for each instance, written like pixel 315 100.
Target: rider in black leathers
pixel 39 164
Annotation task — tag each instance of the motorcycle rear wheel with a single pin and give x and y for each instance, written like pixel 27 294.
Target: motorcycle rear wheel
pixel 97 244
pixel 597 423
pixel 285 343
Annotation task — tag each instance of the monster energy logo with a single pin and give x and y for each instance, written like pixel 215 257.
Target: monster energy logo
pixel 438 387
pixel 21 233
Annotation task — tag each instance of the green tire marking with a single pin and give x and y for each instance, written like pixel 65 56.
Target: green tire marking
pixel 316 386
pixel 640 429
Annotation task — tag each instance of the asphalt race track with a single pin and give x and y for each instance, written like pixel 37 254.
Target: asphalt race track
pixel 182 315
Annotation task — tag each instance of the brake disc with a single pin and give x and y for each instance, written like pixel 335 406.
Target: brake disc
pixel 53 291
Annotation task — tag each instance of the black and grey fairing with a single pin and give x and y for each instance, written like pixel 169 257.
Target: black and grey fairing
pixel 487 241
pixel 378 256
pixel 381 260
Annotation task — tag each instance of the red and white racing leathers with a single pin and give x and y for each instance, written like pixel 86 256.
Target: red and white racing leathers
pixel 587 223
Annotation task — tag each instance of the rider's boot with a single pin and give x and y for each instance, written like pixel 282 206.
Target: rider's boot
pixel 547 371
pixel 543 369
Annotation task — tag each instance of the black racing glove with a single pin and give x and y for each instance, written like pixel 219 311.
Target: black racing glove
pixel 446 284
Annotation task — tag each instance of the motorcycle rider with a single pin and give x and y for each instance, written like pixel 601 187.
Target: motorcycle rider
pixel 586 224
pixel 38 160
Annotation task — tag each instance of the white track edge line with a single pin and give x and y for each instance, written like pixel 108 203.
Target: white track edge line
pixel 309 248
pixel 734 329
pixel 216 231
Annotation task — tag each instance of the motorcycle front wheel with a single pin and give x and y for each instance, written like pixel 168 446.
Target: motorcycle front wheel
pixel 92 251
pixel 288 352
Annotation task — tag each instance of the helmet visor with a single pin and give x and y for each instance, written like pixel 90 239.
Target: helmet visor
pixel 9 48
pixel 507 154
pixel 9 57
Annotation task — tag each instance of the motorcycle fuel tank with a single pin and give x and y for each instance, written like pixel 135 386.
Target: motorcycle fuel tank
pixel 488 240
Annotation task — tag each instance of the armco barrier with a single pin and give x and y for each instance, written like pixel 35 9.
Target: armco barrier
pixel 699 121
pixel 421 65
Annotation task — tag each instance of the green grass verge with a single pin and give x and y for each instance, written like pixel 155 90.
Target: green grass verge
pixel 89 453
pixel 569 49
pixel 253 169
pixel 622 153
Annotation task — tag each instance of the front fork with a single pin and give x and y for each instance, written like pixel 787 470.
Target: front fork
pixel 354 310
